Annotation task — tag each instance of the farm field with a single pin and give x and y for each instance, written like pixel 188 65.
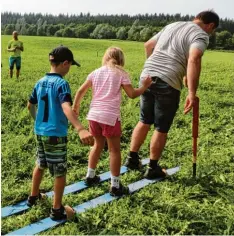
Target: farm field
pixel 178 205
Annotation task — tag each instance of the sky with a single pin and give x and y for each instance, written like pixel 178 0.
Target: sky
pixel 224 8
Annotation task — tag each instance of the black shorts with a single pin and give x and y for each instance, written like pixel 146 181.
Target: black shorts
pixel 158 105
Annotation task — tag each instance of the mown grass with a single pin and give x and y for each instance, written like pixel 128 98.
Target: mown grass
pixel 179 205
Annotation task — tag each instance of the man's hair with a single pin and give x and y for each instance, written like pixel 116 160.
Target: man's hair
pixel 208 17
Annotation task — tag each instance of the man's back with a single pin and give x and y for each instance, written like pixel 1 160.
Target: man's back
pixel 169 58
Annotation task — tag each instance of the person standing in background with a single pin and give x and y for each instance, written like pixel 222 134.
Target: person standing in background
pixel 15 47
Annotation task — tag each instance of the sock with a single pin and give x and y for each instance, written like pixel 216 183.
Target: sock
pixel 153 163
pixel 115 181
pixel 133 155
pixel 90 173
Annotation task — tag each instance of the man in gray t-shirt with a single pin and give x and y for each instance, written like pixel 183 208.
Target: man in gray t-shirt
pixel 175 52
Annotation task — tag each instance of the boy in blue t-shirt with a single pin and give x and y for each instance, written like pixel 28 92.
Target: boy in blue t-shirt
pixel 52 95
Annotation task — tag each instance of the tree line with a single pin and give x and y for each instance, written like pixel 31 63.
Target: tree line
pixel 139 27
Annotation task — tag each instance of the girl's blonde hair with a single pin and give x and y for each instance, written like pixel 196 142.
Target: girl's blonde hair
pixel 113 57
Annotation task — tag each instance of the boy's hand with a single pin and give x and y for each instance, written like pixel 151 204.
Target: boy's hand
pixel 86 137
pixel 76 112
pixel 147 81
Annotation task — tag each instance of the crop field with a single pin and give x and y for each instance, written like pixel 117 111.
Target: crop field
pixel 178 205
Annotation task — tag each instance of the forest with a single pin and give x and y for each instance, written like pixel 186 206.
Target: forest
pixel 139 27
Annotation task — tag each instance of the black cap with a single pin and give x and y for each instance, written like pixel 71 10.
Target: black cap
pixel 61 54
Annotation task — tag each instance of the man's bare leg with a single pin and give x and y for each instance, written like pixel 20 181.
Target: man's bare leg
pixel 157 144
pixel 11 73
pixel 138 136
pixel 17 74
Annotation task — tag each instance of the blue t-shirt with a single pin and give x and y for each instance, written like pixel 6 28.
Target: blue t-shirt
pixel 49 93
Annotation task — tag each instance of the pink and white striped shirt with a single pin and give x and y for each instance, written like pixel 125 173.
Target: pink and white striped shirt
pixel 106 94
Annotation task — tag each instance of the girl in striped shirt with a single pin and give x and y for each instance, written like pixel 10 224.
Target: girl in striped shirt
pixel 104 113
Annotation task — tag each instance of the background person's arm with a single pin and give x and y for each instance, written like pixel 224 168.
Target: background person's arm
pixel 21 48
pixel 193 74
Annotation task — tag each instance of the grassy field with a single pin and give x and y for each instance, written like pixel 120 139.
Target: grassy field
pixel 178 205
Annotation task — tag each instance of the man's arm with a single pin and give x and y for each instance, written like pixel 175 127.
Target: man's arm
pixel 149 47
pixel 193 74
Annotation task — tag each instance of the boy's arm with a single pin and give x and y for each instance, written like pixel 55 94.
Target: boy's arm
pixel 32 110
pixel 80 94
pixel 136 92
pixel 84 135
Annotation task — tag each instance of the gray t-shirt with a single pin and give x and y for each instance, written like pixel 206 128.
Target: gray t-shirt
pixel 170 56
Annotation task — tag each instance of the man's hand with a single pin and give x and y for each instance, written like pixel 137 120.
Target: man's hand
pixel 189 102
pixel 86 137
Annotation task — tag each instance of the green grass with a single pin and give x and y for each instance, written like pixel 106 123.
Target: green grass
pixel 179 205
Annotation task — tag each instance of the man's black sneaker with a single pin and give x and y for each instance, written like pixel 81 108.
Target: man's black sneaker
pixel 153 173
pixel 64 212
pixel 92 181
pixel 32 200
pixel 133 163
pixel 117 192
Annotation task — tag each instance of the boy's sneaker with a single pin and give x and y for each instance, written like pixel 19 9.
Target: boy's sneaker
pixel 117 192
pixel 153 173
pixel 92 181
pixel 32 200
pixel 63 213
pixel 133 163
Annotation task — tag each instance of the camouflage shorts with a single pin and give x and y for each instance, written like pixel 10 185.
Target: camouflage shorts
pixel 52 153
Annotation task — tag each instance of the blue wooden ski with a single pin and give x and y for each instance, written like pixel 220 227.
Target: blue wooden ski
pixel 76 187
pixel 47 223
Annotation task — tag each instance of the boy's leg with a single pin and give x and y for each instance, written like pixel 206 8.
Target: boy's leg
pixel 36 180
pixel 59 185
pixel 37 173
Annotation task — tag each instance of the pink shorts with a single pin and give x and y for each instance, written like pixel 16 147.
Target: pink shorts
pixel 99 129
